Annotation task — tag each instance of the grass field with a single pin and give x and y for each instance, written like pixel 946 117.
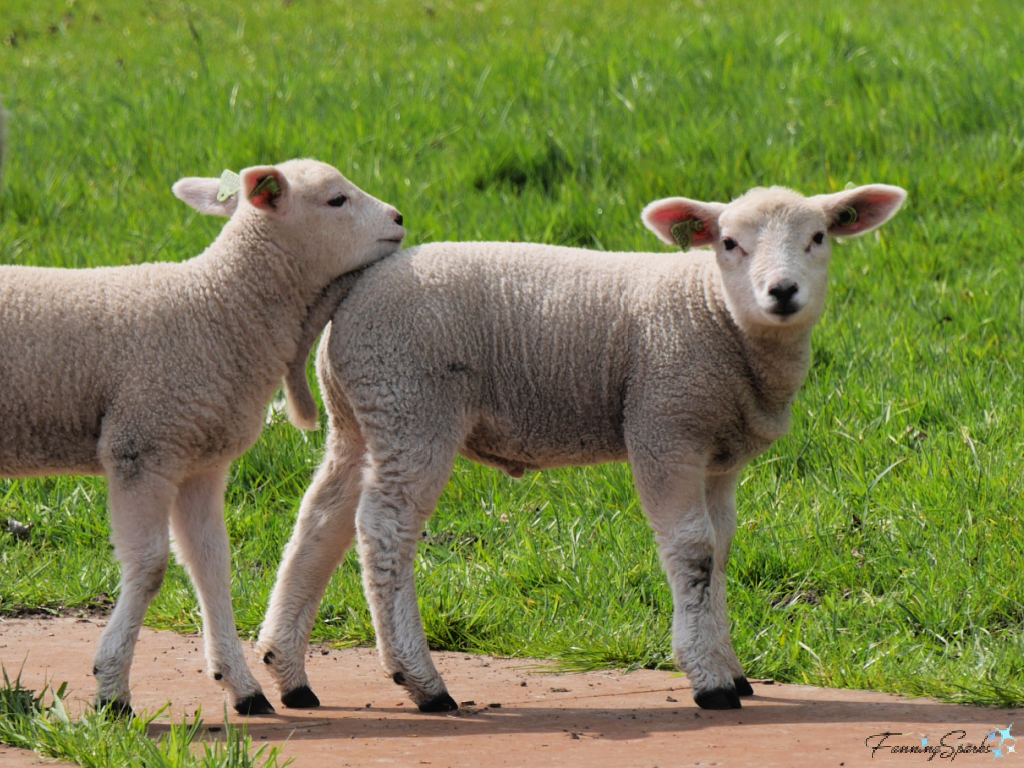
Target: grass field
pixel 881 544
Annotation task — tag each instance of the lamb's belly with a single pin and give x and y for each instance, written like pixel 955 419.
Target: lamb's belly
pixel 50 409
pixel 516 452
pixel 35 469
pixel 34 453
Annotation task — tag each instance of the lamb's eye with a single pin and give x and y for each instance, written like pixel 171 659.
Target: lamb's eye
pixel 819 238
pixel 729 243
pixel 337 202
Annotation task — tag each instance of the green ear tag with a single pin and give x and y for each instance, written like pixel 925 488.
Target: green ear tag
pixel 847 216
pixel 230 183
pixel 683 232
pixel 267 183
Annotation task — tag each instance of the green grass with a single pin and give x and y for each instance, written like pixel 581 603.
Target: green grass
pixel 880 544
pixel 41 722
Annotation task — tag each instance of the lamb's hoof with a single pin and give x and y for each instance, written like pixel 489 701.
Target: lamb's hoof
pixel 256 704
pixel 116 708
pixel 300 698
pixel 718 698
pixel 440 703
pixel 743 687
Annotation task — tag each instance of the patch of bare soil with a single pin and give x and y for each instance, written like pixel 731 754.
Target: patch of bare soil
pixel 513 714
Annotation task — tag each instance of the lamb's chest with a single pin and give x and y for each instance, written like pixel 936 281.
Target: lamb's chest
pixel 743 439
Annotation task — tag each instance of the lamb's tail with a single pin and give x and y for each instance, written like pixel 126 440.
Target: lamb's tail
pixel 302 410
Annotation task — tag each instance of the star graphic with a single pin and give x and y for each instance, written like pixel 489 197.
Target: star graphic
pixel 997 753
pixel 1004 734
pixel 1011 749
pixel 990 736
pixel 924 742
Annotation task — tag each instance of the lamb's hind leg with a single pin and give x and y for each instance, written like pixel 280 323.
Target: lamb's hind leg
pixel 139 508
pixel 399 495
pixel 201 542
pixel 323 533
pixel 673 495
pixel 721 495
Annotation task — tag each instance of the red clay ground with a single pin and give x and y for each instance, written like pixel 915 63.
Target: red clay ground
pixel 599 719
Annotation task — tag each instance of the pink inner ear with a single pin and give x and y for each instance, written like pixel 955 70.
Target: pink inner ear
pixel 263 200
pixel 268 185
pixel 871 209
pixel 874 202
pixel 703 237
pixel 672 214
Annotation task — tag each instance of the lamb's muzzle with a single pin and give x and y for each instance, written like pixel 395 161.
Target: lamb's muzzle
pixel 783 293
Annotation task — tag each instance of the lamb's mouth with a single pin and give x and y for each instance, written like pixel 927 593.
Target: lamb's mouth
pixel 783 313
pixel 391 240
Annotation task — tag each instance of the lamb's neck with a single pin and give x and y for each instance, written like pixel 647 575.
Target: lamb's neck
pixel 777 357
pixel 254 288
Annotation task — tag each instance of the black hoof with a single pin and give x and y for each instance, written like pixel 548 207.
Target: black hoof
pixel 256 704
pixel 440 703
pixel 743 687
pixel 300 698
pixel 718 698
pixel 116 708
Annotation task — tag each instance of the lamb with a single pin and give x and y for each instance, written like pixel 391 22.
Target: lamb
pixel 525 357
pixel 158 376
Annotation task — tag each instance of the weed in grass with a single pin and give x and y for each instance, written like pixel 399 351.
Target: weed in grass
pixel 98 740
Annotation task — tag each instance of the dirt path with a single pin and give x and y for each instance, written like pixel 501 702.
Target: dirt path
pixel 643 719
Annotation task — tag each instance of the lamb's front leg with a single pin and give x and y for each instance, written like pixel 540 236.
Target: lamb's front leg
pixel 139 508
pixel 396 501
pixel 673 497
pixel 721 495
pixel 201 543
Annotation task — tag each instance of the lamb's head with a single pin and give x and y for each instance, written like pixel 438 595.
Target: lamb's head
pixel 307 206
pixel 773 245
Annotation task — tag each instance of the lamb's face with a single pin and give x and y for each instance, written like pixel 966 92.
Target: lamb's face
pixel 773 251
pixel 340 226
pixel 773 245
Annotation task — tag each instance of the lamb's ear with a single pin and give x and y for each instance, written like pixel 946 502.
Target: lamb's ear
pixel 682 222
pixel 267 189
pixel 859 210
pixel 201 194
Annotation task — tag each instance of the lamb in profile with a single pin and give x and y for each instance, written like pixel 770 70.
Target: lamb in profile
pixel 159 375
pixel 525 357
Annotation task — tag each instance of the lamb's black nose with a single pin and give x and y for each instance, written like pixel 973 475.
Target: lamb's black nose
pixel 398 219
pixel 783 294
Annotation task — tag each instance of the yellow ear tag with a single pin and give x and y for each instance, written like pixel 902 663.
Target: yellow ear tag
pixel 683 232
pixel 230 183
